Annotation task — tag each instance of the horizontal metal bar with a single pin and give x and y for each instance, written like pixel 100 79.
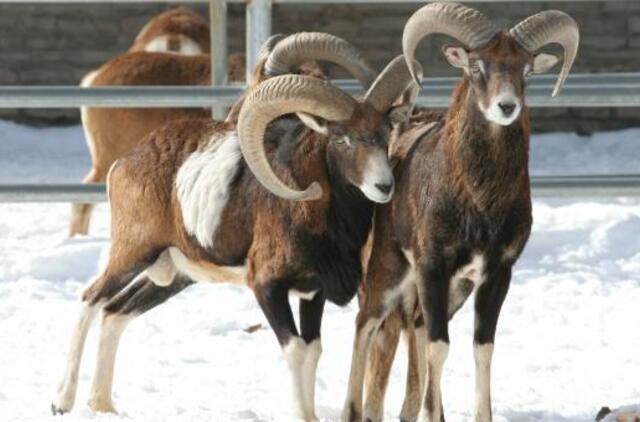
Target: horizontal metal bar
pixel 53 193
pixel 607 90
pixel 575 79
pixel 291 1
pixel 117 96
pixel 541 186
pixel 585 186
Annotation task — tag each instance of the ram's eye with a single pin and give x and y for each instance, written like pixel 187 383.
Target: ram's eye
pixel 342 140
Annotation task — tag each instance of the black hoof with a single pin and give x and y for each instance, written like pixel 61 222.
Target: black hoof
pixel 353 415
pixel 56 411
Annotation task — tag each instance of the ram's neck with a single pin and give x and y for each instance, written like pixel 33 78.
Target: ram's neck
pixel 488 163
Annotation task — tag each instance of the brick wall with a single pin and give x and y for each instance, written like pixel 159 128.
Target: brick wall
pixel 57 44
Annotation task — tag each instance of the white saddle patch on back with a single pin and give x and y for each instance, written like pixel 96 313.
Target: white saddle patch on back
pixel 160 44
pixel 203 185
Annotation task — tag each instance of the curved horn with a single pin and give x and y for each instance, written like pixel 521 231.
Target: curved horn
pixel 273 98
pixel 302 47
pixel 267 47
pixel 550 26
pixel 467 25
pixel 391 83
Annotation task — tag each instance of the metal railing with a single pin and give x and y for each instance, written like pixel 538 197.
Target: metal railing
pixel 541 187
pixel 587 90
pixel 607 90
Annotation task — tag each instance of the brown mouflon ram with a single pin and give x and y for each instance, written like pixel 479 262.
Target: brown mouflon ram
pixel 461 214
pixel 113 132
pixel 179 30
pixel 194 202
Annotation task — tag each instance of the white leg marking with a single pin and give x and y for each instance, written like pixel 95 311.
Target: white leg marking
pixel 436 356
pixel 69 385
pixel 358 365
pixel 203 185
pixel 482 355
pixel 100 396
pixel 309 367
pixel 294 354
pixel 162 272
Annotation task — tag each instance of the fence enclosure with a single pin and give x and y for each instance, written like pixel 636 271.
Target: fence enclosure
pixel 581 90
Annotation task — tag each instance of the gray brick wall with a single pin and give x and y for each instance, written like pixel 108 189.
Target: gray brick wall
pixel 57 44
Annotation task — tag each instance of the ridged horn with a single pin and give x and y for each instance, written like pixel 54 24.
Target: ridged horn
pixel 267 47
pixel 392 82
pixel 550 26
pixel 278 96
pixel 467 25
pixel 302 47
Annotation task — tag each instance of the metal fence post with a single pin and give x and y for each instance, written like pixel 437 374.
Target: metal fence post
pixel 258 30
pixel 218 23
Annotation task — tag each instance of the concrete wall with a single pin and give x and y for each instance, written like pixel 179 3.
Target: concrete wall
pixel 57 44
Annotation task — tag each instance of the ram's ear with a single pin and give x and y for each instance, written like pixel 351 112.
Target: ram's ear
pixel 456 56
pixel 314 123
pixel 543 62
pixel 400 113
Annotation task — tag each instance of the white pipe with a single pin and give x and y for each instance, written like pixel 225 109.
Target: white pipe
pixel 258 31
pixel 218 25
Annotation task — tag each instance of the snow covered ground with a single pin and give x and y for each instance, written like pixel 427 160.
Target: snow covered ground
pixel 568 341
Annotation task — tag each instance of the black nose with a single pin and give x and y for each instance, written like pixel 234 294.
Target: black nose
pixel 507 108
pixel 384 187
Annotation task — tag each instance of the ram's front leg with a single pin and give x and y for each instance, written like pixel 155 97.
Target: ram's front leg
pixel 310 321
pixel 273 297
pixel 433 287
pixel 488 303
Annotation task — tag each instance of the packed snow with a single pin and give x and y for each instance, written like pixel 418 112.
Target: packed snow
pixel 568 340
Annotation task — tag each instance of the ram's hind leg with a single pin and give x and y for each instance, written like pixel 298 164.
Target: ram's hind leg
pixel 81 213
pixel 121 269
pixel 380 298
pixel 414 338
pixel 66 394
pixel 379 362
pixel 140 297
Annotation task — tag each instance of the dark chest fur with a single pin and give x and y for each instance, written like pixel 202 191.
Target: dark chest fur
pixel 331 258
pixel 471 193
pixel 334 256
